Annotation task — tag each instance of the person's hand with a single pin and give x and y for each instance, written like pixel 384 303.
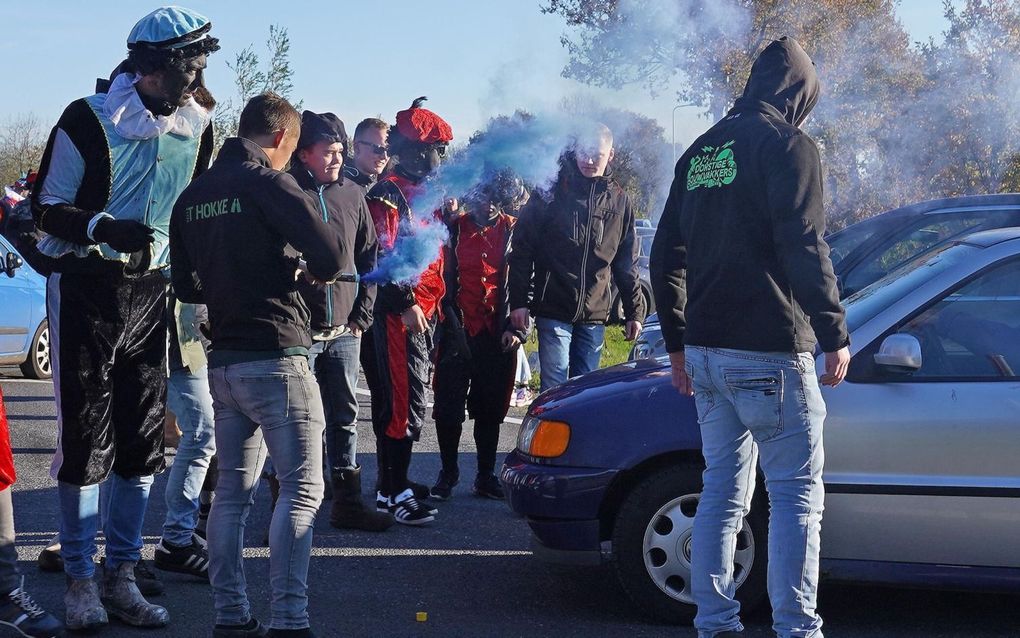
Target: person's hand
pixel 520 318
pixel 631 330
pixel 414 320
pixel 355 329
pixel 510 341
pixel 680 379
pixel 123 235
pixel 836 365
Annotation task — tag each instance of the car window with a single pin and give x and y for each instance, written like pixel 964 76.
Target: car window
pixel 972 333
pixel 908 243
pixel 843 242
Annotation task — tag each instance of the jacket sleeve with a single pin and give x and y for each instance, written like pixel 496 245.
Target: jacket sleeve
pixel 366 247
pixel 390 297
pixel 668 269
pixel 625 267
pixel 522 256
pixel 291 213
pixel 794 199
pixel 186 285
pixel 450 278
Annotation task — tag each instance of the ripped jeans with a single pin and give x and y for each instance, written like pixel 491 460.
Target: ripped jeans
pixel 758 406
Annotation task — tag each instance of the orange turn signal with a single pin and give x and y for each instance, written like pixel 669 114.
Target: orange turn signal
pixel 550 439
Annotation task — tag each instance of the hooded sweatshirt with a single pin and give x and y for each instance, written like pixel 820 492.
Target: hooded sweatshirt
pixel 738 259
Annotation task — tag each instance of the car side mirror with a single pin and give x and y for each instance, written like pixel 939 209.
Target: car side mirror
pixel 899 353
pixel 12 263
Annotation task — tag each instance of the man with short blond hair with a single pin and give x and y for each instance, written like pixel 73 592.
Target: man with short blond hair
pixel 369 152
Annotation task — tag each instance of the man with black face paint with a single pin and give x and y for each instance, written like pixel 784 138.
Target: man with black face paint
pixel 477 346
pixel 405 315
pixel 745 292
pixel 113 167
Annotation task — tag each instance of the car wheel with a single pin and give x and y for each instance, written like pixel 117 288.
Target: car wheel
pixel 37 365
pixel 652 546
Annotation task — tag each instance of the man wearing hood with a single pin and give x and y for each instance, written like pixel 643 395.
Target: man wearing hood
pixel 341 312
pixel 113 167
pixel 565 253
pixel 745 292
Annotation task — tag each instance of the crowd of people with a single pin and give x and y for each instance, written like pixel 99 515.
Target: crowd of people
pixel 279 291
pixel 249 355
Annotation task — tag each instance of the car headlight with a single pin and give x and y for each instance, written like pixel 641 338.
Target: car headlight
pixel 543 439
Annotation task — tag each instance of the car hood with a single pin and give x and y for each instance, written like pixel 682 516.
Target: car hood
pixel 623 378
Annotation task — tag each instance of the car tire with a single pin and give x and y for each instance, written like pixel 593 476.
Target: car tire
pixel 37 365
pixel 642 521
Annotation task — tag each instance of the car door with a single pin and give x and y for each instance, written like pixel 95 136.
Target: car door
pixel 15 309
pixel 923 467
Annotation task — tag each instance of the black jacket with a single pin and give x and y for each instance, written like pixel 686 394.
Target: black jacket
pixel 228 234
pixel 341 205
pixel 738 259
pixel 566 249
pixel 363 180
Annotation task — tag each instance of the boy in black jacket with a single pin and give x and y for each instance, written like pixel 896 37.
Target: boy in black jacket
pixel 341 312
pixel 745 289
pixel 477 345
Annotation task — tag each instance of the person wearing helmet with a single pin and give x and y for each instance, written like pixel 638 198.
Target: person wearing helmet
pixel 476 357
pixel 113 166
pixel 405 315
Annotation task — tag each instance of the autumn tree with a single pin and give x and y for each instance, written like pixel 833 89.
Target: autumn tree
pixel 897 122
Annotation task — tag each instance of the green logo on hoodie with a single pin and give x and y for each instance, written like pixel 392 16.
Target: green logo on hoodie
pixel 715 168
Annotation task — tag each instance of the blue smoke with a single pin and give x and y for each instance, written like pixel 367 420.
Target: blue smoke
pixel 530 145
pixel 414 249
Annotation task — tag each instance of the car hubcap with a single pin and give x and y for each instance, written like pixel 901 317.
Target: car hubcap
pixel 667 548
pixel 42 351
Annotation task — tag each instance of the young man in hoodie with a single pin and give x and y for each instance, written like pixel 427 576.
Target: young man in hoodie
pixel 745 292
pixel 112 168
pixel 406 314
pixel 566 251
pixel 341 312
pixel 231 237
pixel 477 351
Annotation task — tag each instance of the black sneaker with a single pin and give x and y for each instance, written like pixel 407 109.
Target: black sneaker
pixel 19 611
pixel 408 511
pixel 191 559
pixel 252 629
pixel 145 579
pixel 443 489
pixel 488 486
pixel 383 504
pixel 50 559
pixel 421 492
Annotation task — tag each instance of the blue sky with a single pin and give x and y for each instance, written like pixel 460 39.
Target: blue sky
pixel 358 59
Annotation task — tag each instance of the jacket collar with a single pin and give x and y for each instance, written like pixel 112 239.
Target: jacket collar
pixel 241 149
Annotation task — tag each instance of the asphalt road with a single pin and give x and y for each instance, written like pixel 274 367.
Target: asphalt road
pixel 471 570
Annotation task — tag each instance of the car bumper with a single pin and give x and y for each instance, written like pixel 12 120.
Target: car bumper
pixel 561 505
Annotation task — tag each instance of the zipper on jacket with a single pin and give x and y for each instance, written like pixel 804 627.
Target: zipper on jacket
pixel 329 287
pixel 584 253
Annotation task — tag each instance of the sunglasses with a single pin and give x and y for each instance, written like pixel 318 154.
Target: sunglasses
pixel 376 148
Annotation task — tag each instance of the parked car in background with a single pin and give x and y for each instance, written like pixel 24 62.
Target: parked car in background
pixel 645 235
pixel 922 482
pixel 866 251
pixel 24 330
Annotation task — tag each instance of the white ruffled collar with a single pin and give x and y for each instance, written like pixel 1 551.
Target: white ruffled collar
pixel 135 122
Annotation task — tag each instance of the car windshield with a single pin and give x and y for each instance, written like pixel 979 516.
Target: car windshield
pixel 864 305
pixel 843 242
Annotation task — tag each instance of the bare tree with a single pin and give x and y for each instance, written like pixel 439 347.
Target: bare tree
pixel 22 140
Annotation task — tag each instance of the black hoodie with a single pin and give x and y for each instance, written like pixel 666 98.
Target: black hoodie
pixel 738 260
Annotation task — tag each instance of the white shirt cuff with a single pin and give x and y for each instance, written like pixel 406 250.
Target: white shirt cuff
pixel 95 220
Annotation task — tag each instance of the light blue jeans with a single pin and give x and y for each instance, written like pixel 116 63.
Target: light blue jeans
pixel 758 406
pixel 567 350
pixel 272 404
pixel 79 521
pixel 189 399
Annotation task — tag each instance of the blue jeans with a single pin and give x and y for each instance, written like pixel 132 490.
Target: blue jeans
pixel 758 406
pixel 335 363
pixel 566 350
pixel 189 399
pixel 272 403
pixel 79 521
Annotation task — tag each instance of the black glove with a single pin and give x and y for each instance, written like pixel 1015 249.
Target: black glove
pixel 123 235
